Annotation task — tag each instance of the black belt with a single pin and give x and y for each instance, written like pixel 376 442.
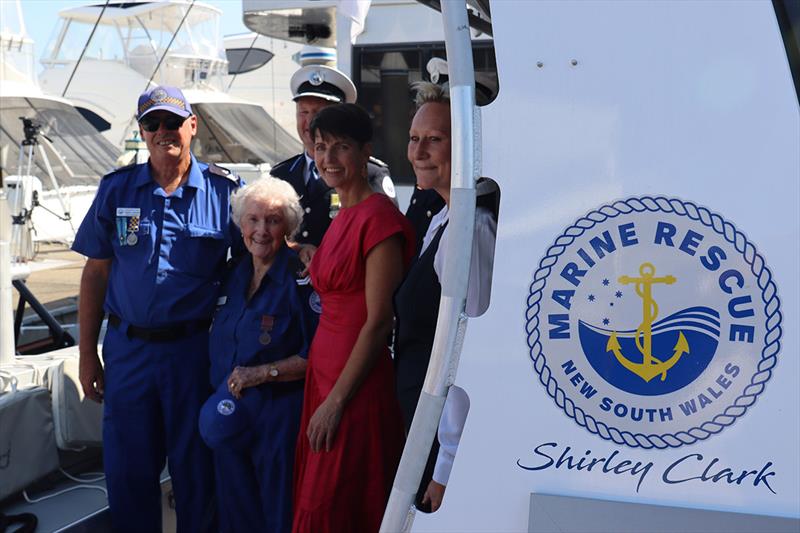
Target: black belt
pixel 166 334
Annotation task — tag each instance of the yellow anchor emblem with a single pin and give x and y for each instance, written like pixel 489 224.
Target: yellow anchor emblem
pixel 650 366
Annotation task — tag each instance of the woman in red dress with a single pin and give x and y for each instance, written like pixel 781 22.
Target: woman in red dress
pixel 351 433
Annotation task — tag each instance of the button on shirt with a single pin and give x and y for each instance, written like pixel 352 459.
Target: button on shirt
pixel 277 322
pixel 170 271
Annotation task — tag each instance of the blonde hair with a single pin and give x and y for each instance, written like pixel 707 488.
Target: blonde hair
pixel 272 190
pixel 427 92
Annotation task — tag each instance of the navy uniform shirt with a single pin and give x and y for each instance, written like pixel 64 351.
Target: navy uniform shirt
pixel 423 206
pixel 167 252
pixel 277 322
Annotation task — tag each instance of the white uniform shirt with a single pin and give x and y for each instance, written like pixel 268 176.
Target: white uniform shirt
pixel 451 425
pixel 307 174
pixel 480 268
pixel 456 406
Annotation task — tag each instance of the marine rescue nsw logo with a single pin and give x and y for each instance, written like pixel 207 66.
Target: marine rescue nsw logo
pixel 653 322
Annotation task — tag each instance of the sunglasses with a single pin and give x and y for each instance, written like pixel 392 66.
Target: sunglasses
pixel 171 123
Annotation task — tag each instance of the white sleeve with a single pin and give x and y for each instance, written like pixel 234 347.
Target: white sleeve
pixel 451 425
pixel 480 268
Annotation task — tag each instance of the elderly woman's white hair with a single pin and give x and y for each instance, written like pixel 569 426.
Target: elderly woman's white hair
pixel 427 92
pixel 274 191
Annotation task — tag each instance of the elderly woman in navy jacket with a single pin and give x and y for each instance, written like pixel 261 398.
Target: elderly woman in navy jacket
pixel 266 317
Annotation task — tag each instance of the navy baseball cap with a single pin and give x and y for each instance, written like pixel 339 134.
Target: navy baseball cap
pixel 227 423
pixel 164 98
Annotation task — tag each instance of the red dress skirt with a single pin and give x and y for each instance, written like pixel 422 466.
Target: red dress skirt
pixel 346 489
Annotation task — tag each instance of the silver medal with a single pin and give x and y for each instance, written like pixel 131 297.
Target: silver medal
pixel 265 338
pixel 132 239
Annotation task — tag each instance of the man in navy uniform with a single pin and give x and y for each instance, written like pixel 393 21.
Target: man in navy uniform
pixel 315 87
pixel 156 238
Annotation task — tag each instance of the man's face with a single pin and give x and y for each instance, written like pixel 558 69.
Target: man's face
pixel 165 142
pixel 306 109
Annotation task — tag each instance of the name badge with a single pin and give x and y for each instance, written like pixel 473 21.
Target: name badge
pixel 128 212
pixel 128 225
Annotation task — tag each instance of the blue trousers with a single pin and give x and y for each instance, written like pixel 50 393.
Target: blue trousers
pixel 153 395
pixel 254 487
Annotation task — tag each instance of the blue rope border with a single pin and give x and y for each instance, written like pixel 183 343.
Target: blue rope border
pixel 769 354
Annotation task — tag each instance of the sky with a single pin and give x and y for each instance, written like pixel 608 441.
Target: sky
pixel 41 17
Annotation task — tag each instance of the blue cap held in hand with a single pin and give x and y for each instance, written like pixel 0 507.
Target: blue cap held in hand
pixel 227 423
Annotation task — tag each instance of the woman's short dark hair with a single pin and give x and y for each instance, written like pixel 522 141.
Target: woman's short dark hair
pixel 343 120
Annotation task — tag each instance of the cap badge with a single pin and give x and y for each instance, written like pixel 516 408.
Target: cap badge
pixel 158 95
pixel 316 78
pixel 226 407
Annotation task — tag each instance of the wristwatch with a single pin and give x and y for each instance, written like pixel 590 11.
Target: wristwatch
pixel 273 371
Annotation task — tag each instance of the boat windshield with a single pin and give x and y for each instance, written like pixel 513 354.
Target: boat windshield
pixel 241 133
pixel 87 153
pixel 16 59
pixel 141 39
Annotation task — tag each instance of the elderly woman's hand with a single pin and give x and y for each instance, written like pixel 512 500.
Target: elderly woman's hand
pixel 243 377
pixel 323 425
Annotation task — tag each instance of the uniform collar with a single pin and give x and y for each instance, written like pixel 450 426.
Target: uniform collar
pixel 276 272
pixel 195 178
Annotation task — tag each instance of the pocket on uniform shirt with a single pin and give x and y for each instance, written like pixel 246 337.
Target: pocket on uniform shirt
pixel 199 250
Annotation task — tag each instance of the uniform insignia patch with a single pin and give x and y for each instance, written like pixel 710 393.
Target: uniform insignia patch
pixel 316 78
pixel 314 302
pixel 159 95
pixel 226 407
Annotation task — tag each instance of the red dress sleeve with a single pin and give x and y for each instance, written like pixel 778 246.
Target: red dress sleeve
pixel 383 220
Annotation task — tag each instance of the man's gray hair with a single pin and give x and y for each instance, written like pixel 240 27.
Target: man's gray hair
pixel 427 92
pixel 272 190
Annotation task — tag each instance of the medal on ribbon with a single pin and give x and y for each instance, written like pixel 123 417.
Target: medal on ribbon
pixel 267 323
pixel 128 225
pixel 335 205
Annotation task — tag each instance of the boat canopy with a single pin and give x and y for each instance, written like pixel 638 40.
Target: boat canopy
pixel 140 35
pixel 87 153
pixel 239 132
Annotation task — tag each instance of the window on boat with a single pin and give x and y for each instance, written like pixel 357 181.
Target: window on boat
pixel 241 60
pixel 383 75
pixel 105 43
pixel 788 14
pixel 94 119
pixel 240 133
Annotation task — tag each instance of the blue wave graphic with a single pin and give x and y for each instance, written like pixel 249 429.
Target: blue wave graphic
pixel 700 327
pixel 702 319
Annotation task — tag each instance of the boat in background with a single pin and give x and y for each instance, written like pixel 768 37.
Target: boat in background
pixel 173 42
pixel 259 70
pixel 53 159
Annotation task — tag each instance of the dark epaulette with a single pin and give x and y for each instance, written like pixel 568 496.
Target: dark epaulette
pixel 378 162
pixel 120 170
pixel 223 172
pixel 284 166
